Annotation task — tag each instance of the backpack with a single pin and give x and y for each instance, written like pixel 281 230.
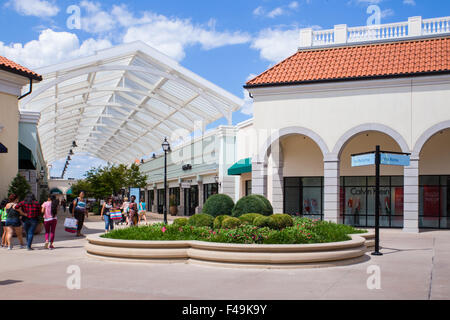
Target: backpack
pixel 71 206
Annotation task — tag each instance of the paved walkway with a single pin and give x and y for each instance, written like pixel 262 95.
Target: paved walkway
pixel 413 267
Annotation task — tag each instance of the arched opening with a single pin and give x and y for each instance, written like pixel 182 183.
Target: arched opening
pixel 357 185
pixel 302 169
pixel 434 182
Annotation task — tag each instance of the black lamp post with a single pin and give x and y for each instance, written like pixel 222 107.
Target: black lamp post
pixel 166 148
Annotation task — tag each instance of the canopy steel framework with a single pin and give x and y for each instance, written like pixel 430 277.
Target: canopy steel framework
pixel 120 104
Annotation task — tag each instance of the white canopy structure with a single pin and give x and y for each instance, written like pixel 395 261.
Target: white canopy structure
pixel 120 104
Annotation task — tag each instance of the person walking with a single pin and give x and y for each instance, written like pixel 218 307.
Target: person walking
pixel 3 221
pixel 133 212
pixel 124 209
pixel 50 211
pixel 32 210
pixel 64 205
pixel 105 214
pixel 79 211
pixel 13 223
pixel 142 211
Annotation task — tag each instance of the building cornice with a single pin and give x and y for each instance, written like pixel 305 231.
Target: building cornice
pixel 29 116
pixel 350 85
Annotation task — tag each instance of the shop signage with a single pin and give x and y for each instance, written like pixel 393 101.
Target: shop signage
pixel 363 160
pixel 185 185
pixel 391 159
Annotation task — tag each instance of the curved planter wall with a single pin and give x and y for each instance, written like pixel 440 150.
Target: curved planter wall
pixel 233 255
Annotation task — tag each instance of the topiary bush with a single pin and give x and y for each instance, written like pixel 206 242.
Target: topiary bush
pixel 231 223
pixel 201 220
pixel 252 204
pixel 268 206
pixel 218 204
pixel 280 221
pixel 262 222
pixel 180 222
pixel 248 218
pixel 218 221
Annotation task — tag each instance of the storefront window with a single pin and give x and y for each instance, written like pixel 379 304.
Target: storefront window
pixel 358 201
pixel 304 197
pixel 434 207
pixel 209 190
pixel 151 194
pixel 248 187
pixel 176 193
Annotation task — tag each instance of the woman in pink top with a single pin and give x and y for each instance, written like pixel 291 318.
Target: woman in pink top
pixel 50 210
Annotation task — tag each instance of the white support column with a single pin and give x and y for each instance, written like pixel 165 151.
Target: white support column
pixel 200 197
pixel 340 33
pixel 259 178
pixel 306 38
pixel 146 199
pixel 181 206
pixel 277 179
pixel 331 203
pixel 415 26
pixel 155 199
pixel 411 197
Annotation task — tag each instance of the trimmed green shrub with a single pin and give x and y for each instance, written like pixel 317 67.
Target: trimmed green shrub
pixel 180 222
pixel 249 217
pixel 201 220
pixel 231 223
pixel 251 204
pixel 262 222
pixel 218 204
pixel 268 206
pixel 280 221
pixel 218 221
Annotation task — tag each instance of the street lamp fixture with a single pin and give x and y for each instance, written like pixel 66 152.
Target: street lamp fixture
pixel 74 144
pixel 71 152
pixel 166 148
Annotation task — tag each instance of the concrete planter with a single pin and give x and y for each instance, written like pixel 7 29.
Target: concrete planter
pixel 232 255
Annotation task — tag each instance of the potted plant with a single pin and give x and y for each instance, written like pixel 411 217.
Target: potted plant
pixel 173 208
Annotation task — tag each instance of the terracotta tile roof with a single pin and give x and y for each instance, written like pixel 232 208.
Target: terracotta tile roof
pixel 394 59
pixel 11 66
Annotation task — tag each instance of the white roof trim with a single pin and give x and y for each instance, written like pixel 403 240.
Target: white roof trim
pixel 120 103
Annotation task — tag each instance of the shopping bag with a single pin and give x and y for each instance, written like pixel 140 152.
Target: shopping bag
pixel 70 225
pixel 115 214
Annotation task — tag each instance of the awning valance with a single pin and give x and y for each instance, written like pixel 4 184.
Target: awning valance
pixel 240 167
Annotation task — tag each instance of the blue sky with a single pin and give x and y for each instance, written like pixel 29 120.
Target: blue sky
pixel 226 42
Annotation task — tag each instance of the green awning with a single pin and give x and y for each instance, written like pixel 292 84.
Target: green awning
pixel 240 167
pixel 26 159
pixel 69 192
pixel 55 191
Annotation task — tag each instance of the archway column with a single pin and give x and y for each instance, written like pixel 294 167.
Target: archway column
pixel 259 178
pixel 411 197
pixel 331 203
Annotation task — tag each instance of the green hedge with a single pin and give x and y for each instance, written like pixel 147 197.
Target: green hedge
pixel 252 204
pixel 180 222
pixel 262 222
pixel 218 221
pixel 280 221
pixel 201 220
pixel 218 204
pixel 249 218
pixel 231 223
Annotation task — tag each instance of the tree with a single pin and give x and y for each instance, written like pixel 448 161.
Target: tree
pixel 81 185
pixel 135 178
pixel 19 186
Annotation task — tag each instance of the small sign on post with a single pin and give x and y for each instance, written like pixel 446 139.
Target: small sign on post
pixel 378 158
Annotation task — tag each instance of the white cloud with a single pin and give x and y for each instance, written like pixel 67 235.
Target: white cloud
pixel 51 47
pixel 387 13
pixel 37 8
pixel 258 11
pixel 276 44
pixel 275 12
pixel 278 11
pixel 172 35
pixel 409 2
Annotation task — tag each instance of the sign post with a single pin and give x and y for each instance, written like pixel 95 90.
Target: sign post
pixel 379 158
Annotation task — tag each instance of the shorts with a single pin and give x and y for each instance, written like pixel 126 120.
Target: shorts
pixel 3 223
pixel 15 223
pixel 141 213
